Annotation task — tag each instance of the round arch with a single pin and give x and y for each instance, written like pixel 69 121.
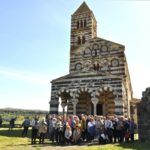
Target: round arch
pixel 84 104
pixel 64 95
pixel 106 100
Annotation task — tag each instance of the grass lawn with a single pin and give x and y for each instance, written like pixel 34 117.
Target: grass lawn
pixel 14 141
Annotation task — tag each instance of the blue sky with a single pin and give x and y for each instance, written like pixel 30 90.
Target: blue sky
pixel 35 42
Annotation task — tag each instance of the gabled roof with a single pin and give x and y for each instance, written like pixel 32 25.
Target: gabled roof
pixel 85 74
pixel 82 9
pixel 96 39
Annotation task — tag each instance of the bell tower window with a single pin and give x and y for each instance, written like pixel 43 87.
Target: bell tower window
pixel 96 67
pixel 83 39
pixel 84 23
pixel 81 24
pixel 77 24
pixel 79 41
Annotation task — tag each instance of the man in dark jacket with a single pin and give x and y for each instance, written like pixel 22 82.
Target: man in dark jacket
pixel 25 125
pixel 1 121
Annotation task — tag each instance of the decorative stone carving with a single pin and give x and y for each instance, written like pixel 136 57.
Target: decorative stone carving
pixel 87 52
pixel 114 62
pixel 86 66
pixel 104 48
pixel 78 66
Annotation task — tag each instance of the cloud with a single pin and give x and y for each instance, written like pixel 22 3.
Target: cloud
pixel 24 76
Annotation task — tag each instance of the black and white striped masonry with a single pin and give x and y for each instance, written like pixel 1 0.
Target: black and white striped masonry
pixel 98 81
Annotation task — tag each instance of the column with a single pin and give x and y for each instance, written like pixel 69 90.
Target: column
pixel 95 101
pixel 74 102
pixel 63 107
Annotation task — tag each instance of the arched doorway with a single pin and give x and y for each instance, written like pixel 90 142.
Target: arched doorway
pixel 106 102
pixel 64 97
pixel 84 105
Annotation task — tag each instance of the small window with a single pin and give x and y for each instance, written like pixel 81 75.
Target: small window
pixel 97 68
pixel 83 39
pixel 81 24
pixel 79 41
pixel 95 46
pixel 84 23
pixel 77 24
pixel 93 53
pixel 87 52
pixel 94 67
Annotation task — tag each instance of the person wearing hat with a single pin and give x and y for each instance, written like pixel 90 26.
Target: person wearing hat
pixel 52 125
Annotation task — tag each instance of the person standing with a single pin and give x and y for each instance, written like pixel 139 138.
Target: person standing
pixel 42 131
pixel 115 131
pixel 91 129
pixel 108 127
pixel 83 128
pixel 25 125
pixel 1 121
pixel 59 130
pixel 11 124
pixel 35 127
pixel 120 129
pixel 68 134
pixel 132 127
pixel 52 124
pixel 76 138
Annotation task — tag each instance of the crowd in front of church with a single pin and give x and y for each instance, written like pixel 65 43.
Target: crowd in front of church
pixel 72 129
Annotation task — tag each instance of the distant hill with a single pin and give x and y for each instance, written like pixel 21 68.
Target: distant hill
pixel 9 109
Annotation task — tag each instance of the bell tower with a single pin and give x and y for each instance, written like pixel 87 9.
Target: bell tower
pixel 83 26
pixel 98 82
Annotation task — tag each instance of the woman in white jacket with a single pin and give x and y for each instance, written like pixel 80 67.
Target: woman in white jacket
pixel 42 131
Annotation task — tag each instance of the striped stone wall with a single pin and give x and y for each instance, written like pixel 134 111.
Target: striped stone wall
pixel 92 85
pixel 98 73
pixel 106 56
pixel 88 29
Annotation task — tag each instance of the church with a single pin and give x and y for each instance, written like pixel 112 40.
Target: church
pixel 98 82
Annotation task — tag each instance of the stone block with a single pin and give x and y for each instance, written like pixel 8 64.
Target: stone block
pixel 144 116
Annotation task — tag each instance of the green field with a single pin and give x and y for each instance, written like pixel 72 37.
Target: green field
pixel 14 141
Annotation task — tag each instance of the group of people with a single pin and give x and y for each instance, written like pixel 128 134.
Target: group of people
pixel 74 129
pixel 11 123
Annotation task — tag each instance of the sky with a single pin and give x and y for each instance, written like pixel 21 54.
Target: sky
pixel 35 45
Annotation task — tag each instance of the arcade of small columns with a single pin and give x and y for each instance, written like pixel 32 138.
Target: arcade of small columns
pixel 105 95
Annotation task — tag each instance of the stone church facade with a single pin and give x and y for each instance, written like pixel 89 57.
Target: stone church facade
pixel 98 82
